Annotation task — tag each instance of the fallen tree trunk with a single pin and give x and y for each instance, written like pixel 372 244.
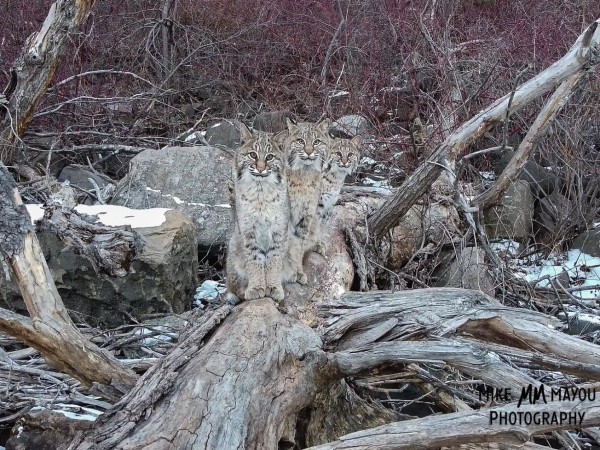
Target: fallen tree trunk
pixel 50 329
pixel 470 427
pixel 583 54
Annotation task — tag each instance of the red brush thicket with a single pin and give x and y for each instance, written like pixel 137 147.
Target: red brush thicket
pixel 395 59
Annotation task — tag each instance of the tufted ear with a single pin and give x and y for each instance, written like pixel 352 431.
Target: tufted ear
pixel 245 133
pixel 290 124
pixel 356 141
pixel 323 126
pixel 280 138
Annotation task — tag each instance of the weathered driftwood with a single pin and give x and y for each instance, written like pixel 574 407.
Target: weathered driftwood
pixel 237 391
pixel 109 249
pixel 50 329
pixel 462 428
pixel 34 69
pixel 444 312
pixel 580 57
pixel 52 430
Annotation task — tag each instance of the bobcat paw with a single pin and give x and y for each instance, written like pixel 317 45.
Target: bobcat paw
pixel 321 248
pixel 302 278
pixel 276 293
pixel 254 292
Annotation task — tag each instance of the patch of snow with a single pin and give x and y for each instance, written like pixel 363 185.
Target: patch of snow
pixel 506 246
pixel 339 94
pixel 582 269
pixel 223 205
pixel 590 318
pixel 74 412
pixel 376 183
pixel 114 215
pixel 111 215
pixel 195 136
pixel 208 291
pixel 366 161
pixel 157 338
pixel 36 212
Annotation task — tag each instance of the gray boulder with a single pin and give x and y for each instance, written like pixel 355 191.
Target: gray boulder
pixel 553 213
pixel 513 218
pixel 272 122
pixel 349 126
pixel 541 181
pixel 193 180
pixel 224 133
pixel 162 278
pixel 85 179
pixel 588 242
pixel 466 270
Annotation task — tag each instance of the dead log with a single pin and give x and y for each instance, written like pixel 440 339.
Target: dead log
pixel 583 54
pixel 34 69
pixel 109 249
pixel 50 329
pixel 467 428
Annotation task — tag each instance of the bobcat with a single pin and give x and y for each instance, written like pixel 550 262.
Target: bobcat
pixel 258 242
pixel 306 148
pixel 342 160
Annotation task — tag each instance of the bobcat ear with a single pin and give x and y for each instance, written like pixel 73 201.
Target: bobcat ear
pixel 356 141
pixel 323 126
pixel 280 137
pixel 290 124
pixel 245 133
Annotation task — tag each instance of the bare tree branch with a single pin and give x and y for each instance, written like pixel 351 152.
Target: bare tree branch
pixel 580 57
pixel 35 69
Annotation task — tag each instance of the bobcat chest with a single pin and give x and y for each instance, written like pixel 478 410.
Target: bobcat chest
pixel 262 214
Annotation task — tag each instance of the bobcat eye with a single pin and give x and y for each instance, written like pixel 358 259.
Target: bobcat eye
pixel 338 154
pixel 300 141
pixel 269 157
pixel 350 155
pixel 253 155
pixel 317 142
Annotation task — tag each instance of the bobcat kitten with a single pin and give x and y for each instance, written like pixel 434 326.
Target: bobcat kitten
pixel 342 160
pixel 306 148
pixel 258 242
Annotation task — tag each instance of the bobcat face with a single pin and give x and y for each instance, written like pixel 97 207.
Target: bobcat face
pixel 259 157
pixel 344 155
pixel 307 143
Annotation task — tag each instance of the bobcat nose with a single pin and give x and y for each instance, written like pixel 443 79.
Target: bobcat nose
pixel 261 166
pixel 344 161
pixel 309 150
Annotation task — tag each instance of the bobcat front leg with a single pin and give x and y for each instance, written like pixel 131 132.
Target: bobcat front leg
pixel 298 244
pixel 255 270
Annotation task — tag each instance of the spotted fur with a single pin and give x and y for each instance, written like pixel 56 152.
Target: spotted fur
pixel 306 148
pixel 259 239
